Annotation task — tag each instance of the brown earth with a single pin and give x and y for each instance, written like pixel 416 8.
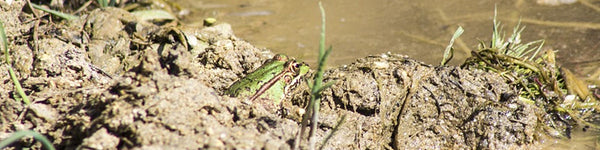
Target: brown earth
pixel 110 81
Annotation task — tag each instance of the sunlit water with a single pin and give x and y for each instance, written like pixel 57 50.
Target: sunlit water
pixel 420 29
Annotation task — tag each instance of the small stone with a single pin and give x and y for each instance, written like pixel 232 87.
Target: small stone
pixel 101 139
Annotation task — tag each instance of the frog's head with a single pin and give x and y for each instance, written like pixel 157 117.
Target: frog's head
pixel 298 70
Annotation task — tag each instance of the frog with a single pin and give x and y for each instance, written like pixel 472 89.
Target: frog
pixel 274 80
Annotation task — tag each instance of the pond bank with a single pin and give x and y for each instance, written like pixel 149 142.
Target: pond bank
pixel 110 81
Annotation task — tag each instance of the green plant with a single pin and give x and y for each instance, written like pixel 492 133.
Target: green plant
pixel 538 78
pixel 106 3
pixel 511 59
pixel 11 72
pixel 54 12
pixel 315 94
pixel 449 52
pixel 20 134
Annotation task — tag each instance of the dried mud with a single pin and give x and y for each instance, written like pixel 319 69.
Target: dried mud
pixel 109 81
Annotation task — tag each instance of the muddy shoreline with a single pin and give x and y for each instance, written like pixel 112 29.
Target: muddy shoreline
pixel 111 81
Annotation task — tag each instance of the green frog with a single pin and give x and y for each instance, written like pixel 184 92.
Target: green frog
pixel 274 80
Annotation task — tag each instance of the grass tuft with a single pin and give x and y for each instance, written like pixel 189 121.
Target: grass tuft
pixel 540 81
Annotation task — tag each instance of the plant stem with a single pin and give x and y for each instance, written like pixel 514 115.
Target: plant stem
pixel 315 93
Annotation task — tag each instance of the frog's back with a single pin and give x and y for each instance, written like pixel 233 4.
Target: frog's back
pixel 248 85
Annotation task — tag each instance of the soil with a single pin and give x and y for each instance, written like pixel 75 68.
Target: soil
pixel 111 81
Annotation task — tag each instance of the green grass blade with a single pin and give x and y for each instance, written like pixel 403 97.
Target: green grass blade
pixel 103 3
pixel 4 43
pixel 449 52
pixel 537 50
pixel 20 134
pixel 11 72
pixel 322 40
pixel 325 86
pixel 323 59
pixel 495 31
pixel 315 100
pixel 54 12
pixel 18 87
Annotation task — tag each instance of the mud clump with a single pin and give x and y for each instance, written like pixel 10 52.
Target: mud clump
pixel 110 81
pixel 405 104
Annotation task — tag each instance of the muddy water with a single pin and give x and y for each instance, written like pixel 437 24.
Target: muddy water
pixel 420 29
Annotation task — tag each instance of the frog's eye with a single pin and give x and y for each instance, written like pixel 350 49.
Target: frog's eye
pixel 297 66
pixel 291 66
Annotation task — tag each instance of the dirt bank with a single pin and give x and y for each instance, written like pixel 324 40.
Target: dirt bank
pixel 111 81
